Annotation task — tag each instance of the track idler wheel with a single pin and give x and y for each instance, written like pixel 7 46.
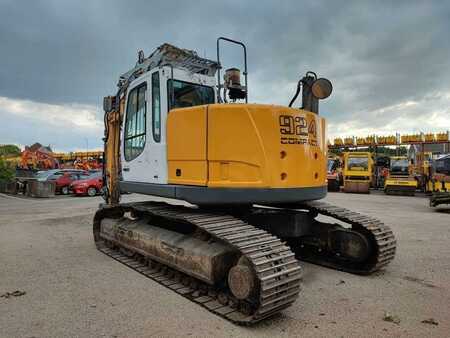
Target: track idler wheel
pixel 242 280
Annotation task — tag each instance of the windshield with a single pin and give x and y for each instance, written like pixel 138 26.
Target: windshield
pixel 189 94
pixel 358 163
pixel 399 165
pixel 443 166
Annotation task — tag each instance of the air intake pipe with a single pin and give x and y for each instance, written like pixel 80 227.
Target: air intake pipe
pixel 313 90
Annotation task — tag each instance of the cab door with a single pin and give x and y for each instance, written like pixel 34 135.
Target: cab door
pixel 134 133
pixel 156 148
pixel 143 151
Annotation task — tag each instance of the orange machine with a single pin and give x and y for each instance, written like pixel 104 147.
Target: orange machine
pixel 37 156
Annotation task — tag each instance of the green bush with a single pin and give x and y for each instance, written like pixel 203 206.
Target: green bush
pixel 9 150
pixel 6 173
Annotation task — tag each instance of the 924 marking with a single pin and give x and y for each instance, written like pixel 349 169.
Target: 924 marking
pixel 296 130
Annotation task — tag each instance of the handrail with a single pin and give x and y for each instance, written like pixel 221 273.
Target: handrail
pixel 220 66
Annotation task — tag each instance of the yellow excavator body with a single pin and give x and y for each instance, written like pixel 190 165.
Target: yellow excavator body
pixel 253 173
pixel 246 146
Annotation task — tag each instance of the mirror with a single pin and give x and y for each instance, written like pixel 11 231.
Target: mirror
pixel 322 88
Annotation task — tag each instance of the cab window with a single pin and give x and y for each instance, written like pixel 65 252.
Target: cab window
pixel 156 108
pixel 188 94
pixel 358 163
pixel 135 124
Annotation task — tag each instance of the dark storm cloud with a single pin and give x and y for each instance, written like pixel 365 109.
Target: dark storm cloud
pixel 377 53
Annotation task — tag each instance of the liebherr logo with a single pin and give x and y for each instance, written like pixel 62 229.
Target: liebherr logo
pixel 296 129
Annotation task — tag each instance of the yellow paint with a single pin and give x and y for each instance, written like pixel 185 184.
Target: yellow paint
pixel 112 161
pixel 338 142
pixel 71 156
pixel 248 139
pixel 437 186
pixel 365 141
pixel 374 140
pixel 357 178
pixel 246 146
pixel 442 137
pixel 186 146
pixel 429 137
pixel 387 140
pixel 357 172
pixel 413 138
pixel 398 181
pixel 349 141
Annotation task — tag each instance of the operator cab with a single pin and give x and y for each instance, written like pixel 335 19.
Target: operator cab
pixel 169 78
pixel 173 79
pixel 147 104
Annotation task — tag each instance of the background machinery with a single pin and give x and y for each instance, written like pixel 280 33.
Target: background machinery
pixel 381 170
pixel 334 173
pixel 38 157
pixel 84 160
pixel 439 185
pixel 358 172
pixel 421 169
pixel 251 174
pixel 400 181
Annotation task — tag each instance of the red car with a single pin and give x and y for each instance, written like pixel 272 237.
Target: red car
pixel 89 185
pixel 62 178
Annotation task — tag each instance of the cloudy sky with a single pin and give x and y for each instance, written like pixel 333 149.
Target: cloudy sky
pixel 389 61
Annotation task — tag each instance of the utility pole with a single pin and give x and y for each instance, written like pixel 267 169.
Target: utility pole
pixel 87 147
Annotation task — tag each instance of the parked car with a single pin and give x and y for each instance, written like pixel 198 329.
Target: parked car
pixel 90 185
pixel 63 178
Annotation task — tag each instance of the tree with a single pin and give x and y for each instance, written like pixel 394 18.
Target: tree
pixel 9 150
pixel 6 173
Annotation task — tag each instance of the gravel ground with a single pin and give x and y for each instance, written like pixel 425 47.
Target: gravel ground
pixel 72 290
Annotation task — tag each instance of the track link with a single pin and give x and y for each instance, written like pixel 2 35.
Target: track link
pixel 380 235
pixel 277 271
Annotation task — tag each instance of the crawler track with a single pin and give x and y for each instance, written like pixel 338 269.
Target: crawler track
pixel 380 235
pixel 278 272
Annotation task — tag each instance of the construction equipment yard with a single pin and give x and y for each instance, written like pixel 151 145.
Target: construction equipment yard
pixel 243 169
pixel 55 283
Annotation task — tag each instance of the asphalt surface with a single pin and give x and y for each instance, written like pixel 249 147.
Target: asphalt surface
pixel 72 290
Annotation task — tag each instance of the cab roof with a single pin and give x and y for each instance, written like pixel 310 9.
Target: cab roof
pixel 169 55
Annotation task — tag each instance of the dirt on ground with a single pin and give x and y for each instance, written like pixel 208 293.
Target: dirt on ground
pixel 54 283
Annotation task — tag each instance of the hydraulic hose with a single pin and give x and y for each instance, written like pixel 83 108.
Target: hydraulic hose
pixel 299 84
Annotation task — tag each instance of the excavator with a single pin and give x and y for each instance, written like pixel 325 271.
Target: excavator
pixel 241 184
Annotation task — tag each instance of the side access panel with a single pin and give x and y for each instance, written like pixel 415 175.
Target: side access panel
pixel 186 146
pixel 265 146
